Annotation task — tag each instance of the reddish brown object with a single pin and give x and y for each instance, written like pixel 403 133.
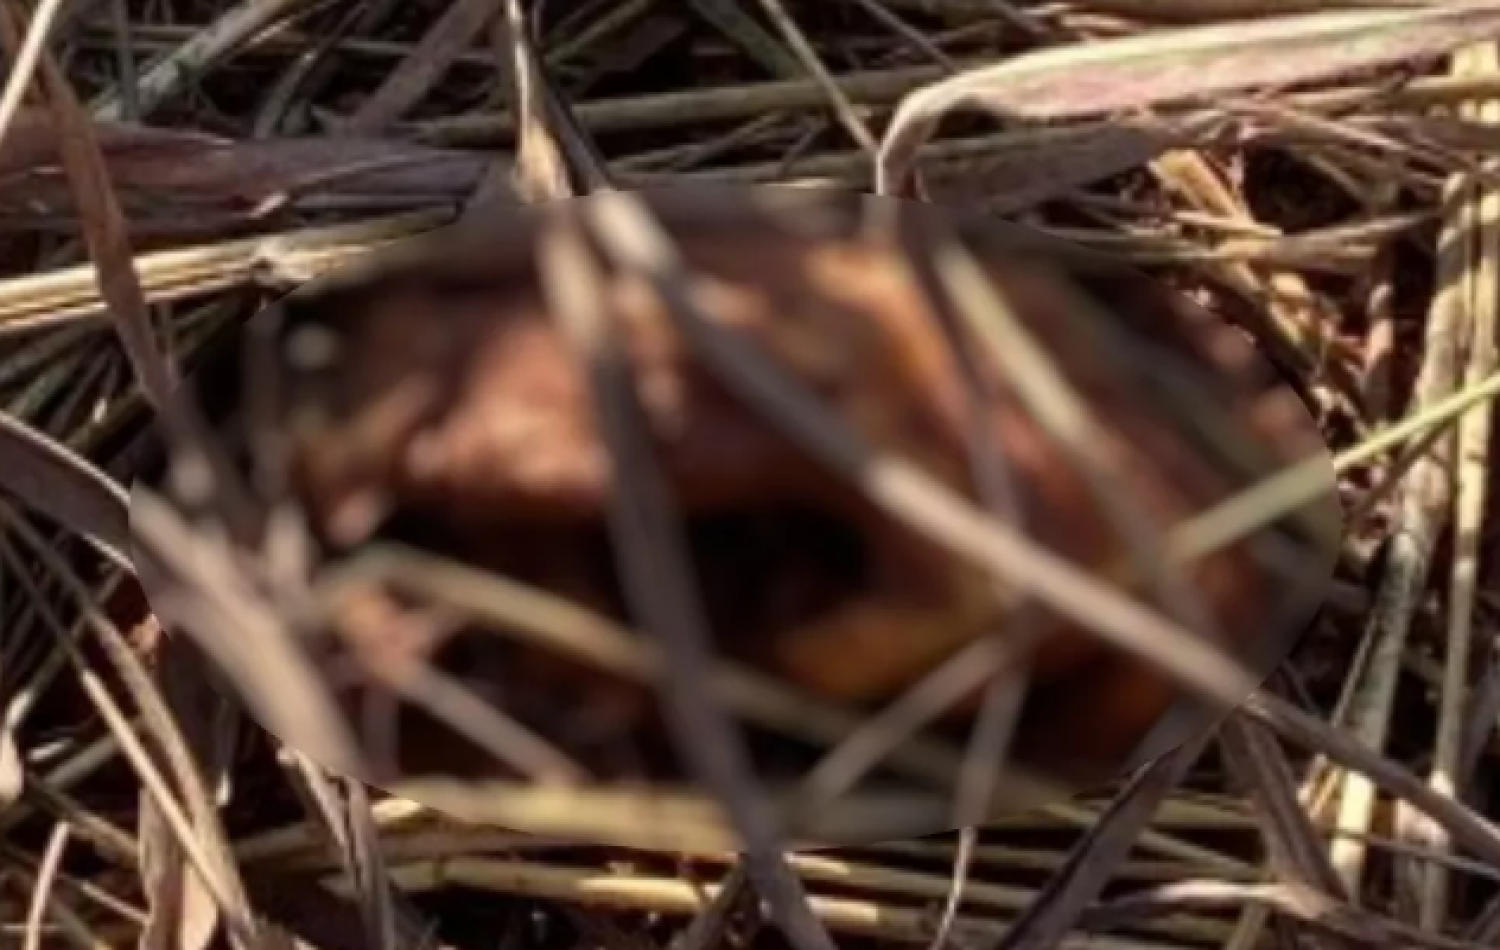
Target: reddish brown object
pixel 455 404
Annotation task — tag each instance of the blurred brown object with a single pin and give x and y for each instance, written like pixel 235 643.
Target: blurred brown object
pixel 434 402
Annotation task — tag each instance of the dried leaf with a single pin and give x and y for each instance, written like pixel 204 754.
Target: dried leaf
pixel 55 481
pixel 195 586
pixel 107 237
pixel 1198 11
pixel 1178 66
pixel 32 142
pixel 170 167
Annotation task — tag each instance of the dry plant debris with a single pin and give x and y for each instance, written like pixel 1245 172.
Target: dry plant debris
pixel 1325 182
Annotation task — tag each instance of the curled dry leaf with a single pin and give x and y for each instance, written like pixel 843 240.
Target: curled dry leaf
pixel 432 402
pixel 1175 67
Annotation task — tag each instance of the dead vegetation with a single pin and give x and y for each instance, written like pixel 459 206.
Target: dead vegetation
pixel 1325 183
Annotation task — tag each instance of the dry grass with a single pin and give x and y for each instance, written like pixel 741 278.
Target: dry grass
pixel 1329 184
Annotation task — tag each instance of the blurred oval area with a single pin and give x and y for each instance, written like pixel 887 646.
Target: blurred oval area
pixel 566 516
